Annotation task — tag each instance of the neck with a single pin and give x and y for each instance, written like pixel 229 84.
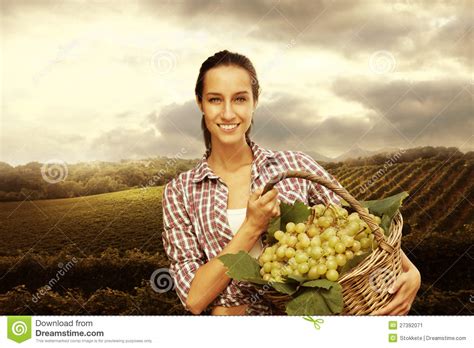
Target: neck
pixel 230 156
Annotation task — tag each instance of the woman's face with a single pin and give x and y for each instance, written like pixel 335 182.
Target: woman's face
pixel 227 103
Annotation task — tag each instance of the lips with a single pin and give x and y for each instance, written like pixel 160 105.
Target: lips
pixel 228 127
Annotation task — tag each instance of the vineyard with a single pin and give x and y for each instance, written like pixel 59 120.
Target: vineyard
pixel 115 239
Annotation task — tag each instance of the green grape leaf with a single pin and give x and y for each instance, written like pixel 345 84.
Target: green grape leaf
pixel 297 212
pixel 350 264
pixel 285 288
pixel 273 226
pixel 317 301
pixel 242 267
pixel 319 283
pixel 386 208
pixel 298 279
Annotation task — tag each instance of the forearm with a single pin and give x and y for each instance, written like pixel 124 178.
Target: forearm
pixel 211 279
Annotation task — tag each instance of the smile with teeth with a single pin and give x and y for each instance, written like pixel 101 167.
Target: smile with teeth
pixel 229 126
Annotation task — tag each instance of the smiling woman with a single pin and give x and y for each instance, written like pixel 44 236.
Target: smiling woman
pixel 218 207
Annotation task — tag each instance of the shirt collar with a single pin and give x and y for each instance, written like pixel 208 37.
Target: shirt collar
pixel 260 156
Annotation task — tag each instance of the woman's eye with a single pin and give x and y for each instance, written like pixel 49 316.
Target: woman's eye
pixel 212 100
pixel 241 99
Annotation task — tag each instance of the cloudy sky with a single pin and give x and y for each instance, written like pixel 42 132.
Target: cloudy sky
pixel 110 80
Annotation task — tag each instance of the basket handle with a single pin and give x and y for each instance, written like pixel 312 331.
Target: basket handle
pixel 340 191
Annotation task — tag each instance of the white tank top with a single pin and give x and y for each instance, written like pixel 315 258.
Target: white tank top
pixel 236 217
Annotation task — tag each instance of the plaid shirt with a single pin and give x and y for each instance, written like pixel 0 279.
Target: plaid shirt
pixel 195 223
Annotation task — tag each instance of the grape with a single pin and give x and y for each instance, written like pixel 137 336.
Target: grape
pixel 353 216
pixel 315 241
pixel 290 227
pixel 319 208
pixel 305 243
pixel 341 259
pixel 331 264
pixel 296 273
pixel 301 257
pixel 275 272
pixel 266 257
pixel 312 231
pixel 276 265
pixel 365 243
pixel 324 221
pixel 299 246
pixel 280 253
pixel 332 275
pixel 279 235
pixel 284 240
pixel 321 268
pixel 333 241
pixel 319 249
pixel 316 252
pixel 300 228
pixel 327 250
pixel 378 220
pixel 353 227
pixel 313 273
pixel 303 268
pixel 267 267
pixel 348 241
pixel 340 248
pixel 289 252
pixel 292 241
pixel 356 247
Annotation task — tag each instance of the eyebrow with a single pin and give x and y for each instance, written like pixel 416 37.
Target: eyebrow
pixel 215 93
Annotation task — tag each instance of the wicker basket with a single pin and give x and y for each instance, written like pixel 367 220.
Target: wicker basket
pixel 365 287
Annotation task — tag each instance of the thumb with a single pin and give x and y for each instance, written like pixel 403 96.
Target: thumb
pixel 256 194
pixel 396 286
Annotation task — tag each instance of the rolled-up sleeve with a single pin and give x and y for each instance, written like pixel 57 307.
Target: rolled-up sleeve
pixel 316 192
pixel 179 240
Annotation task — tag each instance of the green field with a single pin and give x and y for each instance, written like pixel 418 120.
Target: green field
pixel 116 238
pixel 123 220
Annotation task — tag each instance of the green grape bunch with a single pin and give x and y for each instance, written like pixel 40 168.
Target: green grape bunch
pixel 318 249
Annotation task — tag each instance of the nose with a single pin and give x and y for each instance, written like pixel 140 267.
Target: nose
pixel 228 113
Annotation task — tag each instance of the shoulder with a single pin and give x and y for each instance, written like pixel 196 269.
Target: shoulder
pixel 294 160
pixel 180 183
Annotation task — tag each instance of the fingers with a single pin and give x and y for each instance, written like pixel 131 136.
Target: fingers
pixel 256 194
pixel 399 304
pixel 269 196
pixel 276 208
pixel 398 283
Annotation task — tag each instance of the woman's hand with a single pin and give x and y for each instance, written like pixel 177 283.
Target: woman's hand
pixel 405 288
pixel 260 209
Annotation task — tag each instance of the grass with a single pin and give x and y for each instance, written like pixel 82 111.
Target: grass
pixel 123 220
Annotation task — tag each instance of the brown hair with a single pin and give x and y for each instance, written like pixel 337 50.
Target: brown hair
pixel 225 58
